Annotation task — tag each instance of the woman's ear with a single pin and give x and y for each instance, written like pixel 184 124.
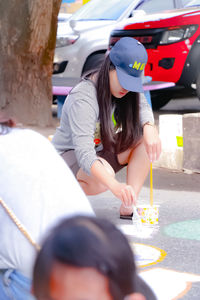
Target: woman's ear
pixel 135 296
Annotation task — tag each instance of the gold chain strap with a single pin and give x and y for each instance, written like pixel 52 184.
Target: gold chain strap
pixel 19 225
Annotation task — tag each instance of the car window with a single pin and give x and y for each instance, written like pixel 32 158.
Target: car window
pixel 156 5
pixel 191 3
pixel 102 10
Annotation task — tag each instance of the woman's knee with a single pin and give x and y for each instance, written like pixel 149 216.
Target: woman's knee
pixel 99 186
pixel 91 185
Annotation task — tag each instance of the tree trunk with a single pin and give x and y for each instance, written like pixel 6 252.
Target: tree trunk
pixel 27 41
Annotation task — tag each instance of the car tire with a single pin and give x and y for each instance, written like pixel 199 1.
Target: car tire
pixel 160 99
pixel 93 62
pixel 198 86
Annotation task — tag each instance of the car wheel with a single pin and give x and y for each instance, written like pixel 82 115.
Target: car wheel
pixel 93 62
pixel 160 99
pixel 198 86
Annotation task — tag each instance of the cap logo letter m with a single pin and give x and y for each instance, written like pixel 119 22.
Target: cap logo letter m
pixel 138 66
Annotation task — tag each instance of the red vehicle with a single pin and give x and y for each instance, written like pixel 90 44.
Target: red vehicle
pixel 172 40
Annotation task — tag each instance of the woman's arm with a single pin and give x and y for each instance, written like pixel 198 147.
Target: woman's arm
pixel 82 112
pixel 151 138
pixel 152 141
pixel 145 110
pixel 121 190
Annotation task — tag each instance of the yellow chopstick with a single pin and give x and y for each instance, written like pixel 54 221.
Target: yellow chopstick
pixel 151 185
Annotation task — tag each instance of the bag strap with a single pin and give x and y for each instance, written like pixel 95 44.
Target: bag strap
pixel 18 224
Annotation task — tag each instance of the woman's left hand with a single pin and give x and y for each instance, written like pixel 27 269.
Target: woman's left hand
pixel 152 142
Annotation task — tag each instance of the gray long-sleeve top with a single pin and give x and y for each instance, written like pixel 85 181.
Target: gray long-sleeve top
pixel 80 114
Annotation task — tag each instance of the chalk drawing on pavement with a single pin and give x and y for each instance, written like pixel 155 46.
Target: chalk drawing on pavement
pixel 145 231
pixel 147 255
pixel 185 230
pixel 169 284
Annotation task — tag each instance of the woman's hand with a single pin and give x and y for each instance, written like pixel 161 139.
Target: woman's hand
pixel 125 193
pixel 152 142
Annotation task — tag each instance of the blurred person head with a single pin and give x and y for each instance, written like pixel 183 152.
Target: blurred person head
pixel 87 258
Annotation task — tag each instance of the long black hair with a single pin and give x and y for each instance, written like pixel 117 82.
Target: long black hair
pixel 126 113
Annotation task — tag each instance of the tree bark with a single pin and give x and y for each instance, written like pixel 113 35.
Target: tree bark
pixel 27 41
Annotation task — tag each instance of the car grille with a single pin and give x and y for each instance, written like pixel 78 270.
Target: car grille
pixel 148 37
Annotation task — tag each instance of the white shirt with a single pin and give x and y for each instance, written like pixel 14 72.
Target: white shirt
pixel 37 185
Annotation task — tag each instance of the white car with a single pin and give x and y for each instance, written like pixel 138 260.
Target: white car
pixel 82 43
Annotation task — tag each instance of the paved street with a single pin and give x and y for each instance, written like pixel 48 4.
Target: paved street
pixel 168 256
pixel 172 264
pixel 178 197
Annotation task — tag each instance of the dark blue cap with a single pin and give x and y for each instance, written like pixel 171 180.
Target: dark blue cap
pixel 129 57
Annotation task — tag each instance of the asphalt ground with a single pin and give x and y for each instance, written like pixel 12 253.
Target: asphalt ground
pixel 175 274
pixel 168 257
pixel 177 232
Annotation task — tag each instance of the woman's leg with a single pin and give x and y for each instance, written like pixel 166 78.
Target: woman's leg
pixel 89 184
pixel 137 169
